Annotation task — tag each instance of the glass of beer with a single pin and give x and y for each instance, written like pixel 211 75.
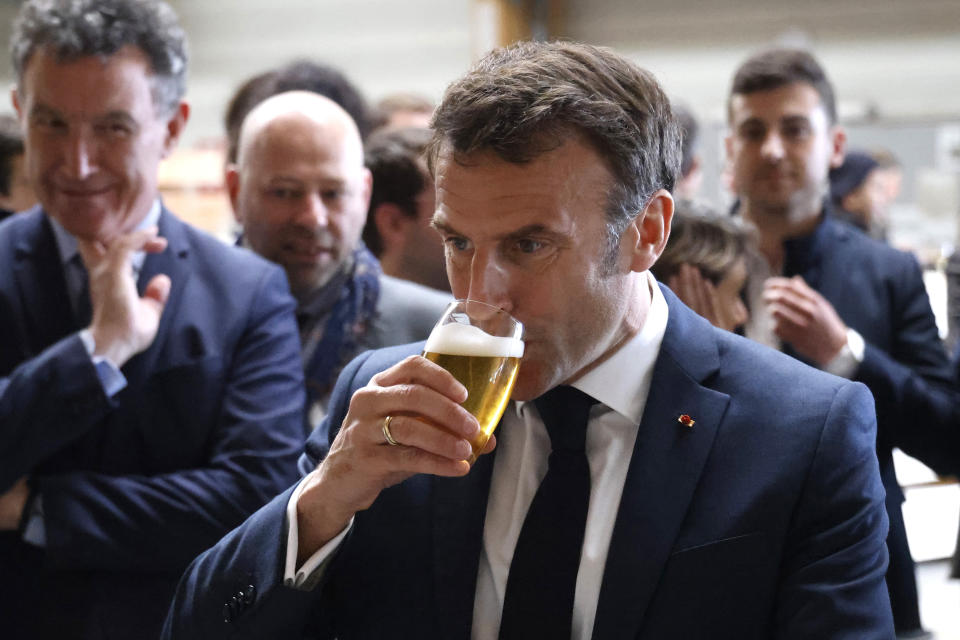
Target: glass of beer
pixel 481 345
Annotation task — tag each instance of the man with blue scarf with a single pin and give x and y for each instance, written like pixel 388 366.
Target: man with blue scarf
pixel 301 192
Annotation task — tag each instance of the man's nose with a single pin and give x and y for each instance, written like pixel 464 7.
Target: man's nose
pixel 79 162
pixel 772 148
pixel 314 212
pixel 489 281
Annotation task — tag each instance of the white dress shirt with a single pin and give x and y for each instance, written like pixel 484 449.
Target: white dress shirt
pixel 620 384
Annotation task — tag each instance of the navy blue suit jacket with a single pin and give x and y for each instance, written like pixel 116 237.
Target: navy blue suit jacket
pixel 207 430
pixel 879 292
pixel 765 520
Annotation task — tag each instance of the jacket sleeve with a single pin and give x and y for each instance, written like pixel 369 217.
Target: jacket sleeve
pixel 97 520
pixel 57 387
pixel 250 560
pixel 835 555
pixel 916 396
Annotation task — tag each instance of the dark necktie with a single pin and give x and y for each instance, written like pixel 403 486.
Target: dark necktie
pixel 538 602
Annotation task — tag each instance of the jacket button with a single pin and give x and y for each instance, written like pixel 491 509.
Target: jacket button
pixel 227 613
pixel 251 594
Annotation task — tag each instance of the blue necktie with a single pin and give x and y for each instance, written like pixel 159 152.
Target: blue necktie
pixel 542 581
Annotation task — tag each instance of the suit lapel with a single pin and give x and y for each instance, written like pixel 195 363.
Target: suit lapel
pixel 664 470
pixel 172 262
pixel 38 272
pixel 460 508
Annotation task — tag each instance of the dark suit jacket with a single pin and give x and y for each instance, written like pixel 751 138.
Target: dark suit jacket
pixel 879 292
pixel 765 520
pixel 207 430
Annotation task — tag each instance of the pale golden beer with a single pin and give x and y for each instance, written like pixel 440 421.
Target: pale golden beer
pixel 485 364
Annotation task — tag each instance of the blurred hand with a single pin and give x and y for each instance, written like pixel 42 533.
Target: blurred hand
pixel 433 430
pixel 124 324
pixel 11 505
pixel 805 319
pixel 698 293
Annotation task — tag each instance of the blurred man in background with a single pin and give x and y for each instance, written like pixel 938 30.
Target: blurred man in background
pixel 402 204
pixel 299 75
pixel 835 298
pixel 691 170
pixel 860 195
pixel 300 191
pixel 401 110
pixel 16 193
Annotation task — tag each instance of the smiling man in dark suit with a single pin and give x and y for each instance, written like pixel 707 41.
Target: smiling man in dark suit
pixel 152 405
pixel 654 477
pixel 832 296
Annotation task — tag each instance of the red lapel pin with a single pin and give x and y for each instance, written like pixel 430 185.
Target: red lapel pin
pixel 686 421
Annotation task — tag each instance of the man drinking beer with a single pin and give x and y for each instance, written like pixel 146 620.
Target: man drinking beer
pixel 654 477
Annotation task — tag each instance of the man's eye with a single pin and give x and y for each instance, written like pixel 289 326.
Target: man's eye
pixel 49 122
pixel 527 245
pixel 284 194
pixel 456 243
pixel 796 131
pixel 332 194
pixel 113 129
pixel 753 134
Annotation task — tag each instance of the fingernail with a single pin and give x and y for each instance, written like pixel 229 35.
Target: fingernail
pixel 464 450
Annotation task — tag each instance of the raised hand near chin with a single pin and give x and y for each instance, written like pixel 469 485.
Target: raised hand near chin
pixel 805 319
pixel 124 324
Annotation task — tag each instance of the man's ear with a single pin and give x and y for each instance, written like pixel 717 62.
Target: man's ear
pixel 838 146
pixel 15 101
pixel 644 240
pixel 231 179
pixel 392 223
pixel 175 126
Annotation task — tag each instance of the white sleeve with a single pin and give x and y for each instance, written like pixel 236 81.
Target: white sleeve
pixel 309 574
pixel 846 363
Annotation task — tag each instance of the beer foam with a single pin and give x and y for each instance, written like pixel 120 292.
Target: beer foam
pixel 464 340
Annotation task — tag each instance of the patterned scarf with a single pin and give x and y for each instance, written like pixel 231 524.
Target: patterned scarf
pixel 328 346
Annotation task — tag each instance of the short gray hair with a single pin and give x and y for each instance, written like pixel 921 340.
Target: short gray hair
pixel 74 29
pixel 531 97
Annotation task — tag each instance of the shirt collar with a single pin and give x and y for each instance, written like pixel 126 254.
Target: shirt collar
pixel 67 244
pixel 609 382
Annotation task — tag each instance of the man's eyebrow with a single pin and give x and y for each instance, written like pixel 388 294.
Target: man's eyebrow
pixel 442 226
pixel 118 115
pixel 752 121
pixel 43 110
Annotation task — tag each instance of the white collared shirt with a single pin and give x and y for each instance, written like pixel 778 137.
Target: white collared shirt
pixel 621 384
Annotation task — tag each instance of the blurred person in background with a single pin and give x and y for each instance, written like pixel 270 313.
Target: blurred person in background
pixel 705 264
pixel 401 110
pixel 860 194
pixel 301 192
pixel 151 396
pixel 836 299
pixel 402 204
pixel 16 193
pixel 299 75
pixel 691 169
pixel 891 172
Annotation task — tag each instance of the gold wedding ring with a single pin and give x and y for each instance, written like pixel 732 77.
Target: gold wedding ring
pixel 386 432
